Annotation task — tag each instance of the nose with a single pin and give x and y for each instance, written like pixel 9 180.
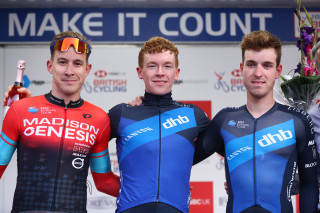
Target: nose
pixel 160 71
pixel 258 70
pixel 69 69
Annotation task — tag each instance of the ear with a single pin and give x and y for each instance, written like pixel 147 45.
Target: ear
pixel 177 74
pixel 139 71
pixel 241 68
pixel 49 66
pixel 88 69
pixel 278 71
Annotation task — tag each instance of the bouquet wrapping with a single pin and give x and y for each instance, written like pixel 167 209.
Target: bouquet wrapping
pixel 301 89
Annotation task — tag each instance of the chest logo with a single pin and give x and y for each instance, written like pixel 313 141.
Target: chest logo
pixel 269 139
pixel 175 122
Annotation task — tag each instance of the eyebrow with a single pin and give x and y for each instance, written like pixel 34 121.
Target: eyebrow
pixel 264 62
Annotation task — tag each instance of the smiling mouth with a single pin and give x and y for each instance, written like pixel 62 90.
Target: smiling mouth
pixel 160 82
pixel 69 80
pixel 258 82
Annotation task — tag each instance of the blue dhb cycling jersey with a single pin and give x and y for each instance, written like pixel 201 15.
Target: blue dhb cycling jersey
pixel 155 148
pixel 261 158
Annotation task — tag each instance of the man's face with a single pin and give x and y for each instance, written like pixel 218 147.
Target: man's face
pixel 259 71
pixel 159 71
pixel 69 70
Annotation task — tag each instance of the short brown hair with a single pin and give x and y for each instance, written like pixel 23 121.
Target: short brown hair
pixel 157 45
pixel 258 40
pixel 74 34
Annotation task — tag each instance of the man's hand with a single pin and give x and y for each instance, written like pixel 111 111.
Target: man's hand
pixel 24 92
pixel 137 101
pixel 226 187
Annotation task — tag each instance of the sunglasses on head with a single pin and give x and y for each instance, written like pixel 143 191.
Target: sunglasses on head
pixel 63 45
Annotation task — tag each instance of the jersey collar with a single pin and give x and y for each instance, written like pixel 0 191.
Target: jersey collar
pixel 60 102
pixel 157 100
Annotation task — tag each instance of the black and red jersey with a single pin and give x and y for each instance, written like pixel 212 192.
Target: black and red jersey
pixel 55 145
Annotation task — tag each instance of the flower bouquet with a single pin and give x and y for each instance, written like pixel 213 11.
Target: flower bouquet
pixel 301 89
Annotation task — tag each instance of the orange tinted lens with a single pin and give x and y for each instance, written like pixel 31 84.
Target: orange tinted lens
pixel 67 42
pixel 79 46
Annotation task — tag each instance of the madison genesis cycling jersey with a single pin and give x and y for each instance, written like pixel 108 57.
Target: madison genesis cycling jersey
pixel 155 147
pixel 261 158
pixel 55 144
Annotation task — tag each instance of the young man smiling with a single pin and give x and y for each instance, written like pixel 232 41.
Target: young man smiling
pixel 155 140
pixel 263 142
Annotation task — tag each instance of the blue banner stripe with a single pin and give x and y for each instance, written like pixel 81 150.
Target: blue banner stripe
pixel 100 165
pixel 145 131
pixel 240 150
pixel 275 137
pixel 6 149
pixel 6 138
pixel 99 153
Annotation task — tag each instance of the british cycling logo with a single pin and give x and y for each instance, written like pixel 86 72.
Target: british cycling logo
pixel 86 115
pixel 235 84
pixel 232 123
pixel 33 110
pixel 239 124
pixel 100 73
pixel 242 125
pixel 101 84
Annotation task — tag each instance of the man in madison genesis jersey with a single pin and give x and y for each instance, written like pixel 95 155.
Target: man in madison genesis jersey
pixel 155 140
pixel 57 136
pixel 263 142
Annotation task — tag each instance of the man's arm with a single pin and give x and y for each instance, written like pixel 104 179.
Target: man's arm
pixel 8 139
pixel 209 142
pixel 7 148
pixel 105 180
pixel 307 164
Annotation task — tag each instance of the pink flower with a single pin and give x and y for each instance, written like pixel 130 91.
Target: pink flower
pixel 308 71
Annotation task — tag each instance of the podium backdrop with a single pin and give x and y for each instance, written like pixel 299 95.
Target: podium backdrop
pixel 209 77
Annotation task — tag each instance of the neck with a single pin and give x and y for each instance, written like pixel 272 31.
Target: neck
pixel 65 98
pixel 258 107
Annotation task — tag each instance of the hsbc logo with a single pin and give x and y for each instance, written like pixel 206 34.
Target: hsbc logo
pixel 269 139
pixel 175 122
pixel 236 73
pixel 100 74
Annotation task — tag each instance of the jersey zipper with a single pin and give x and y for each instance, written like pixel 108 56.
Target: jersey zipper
pixel 254 162
pixel 159 153
pixel 53 207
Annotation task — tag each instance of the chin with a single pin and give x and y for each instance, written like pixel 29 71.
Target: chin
pixel 158 92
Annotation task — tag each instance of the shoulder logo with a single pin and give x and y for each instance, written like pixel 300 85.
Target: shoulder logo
pixel 33 110
pixel 86 115
pixel 232 123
